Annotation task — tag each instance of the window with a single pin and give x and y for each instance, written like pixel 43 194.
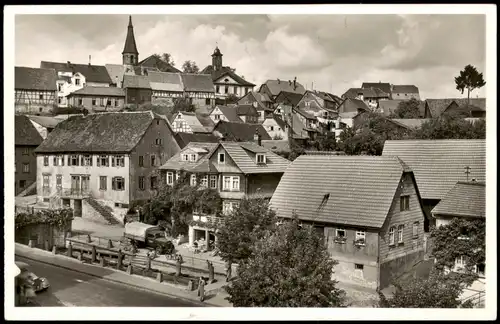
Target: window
pixel 235 89
pixel 358 266
pixel 185 157
pixel 460 262
pixel 360 238
pixel 213 181
pixel 118 183
pixel 118 161
pixel 177 175
pixel 26 151
pixel 207 101
pixel 142 184
pixel 229 206
pixel 204 181
pixel 59 160
pixel 108 102
pixel 40 97
pixel 46 180
pixel 103 183
pixel 217 117
pixel 154 182
pixel 80 101
pixel 193 180
pixel 87 160
pixel 227 183
pixel 391 236
pixel 415 230
pixel 400 233
pixel 26 168
pixel 170 178
pixel 73 160
pixel 101 100
pixel 59 87
pixel 404 203
pixel 46 160
pixel 153 160
pixel 222 158
pixel 158 141
pixel 246 90
pixel 271 128
pixel 77 81
pixel 226 89
pixel 217 89
pixel 261 158
pixel 192 158
pixel 141 161
pixel 22 183
pixel 59 181
pixel 116 102
pixel 93 102
pixel 236 183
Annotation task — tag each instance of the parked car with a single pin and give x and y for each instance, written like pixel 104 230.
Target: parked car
pixel 149 236
pixel 38 284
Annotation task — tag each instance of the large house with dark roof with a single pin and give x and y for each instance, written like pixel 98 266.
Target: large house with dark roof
pixel 137 89
pixel 371 96
pixel 439 164
pixel 235 170
pixel 26 138
pixel 260 101
pixel 434 108
pixel 101 163
pixel 367 208
pixel 98 99
pixel 200 90
pixel 225 79
pixel 183 139
pixel 35 90
pixel 404 92
pixel 240 132
pixel 165 87
pixel 272 88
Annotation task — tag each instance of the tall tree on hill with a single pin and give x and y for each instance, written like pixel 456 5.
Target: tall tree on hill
pixel 190 67
pixel 469 79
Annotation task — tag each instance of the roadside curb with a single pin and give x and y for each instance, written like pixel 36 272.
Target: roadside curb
pixel 172 295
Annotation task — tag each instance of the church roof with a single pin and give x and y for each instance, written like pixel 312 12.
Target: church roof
pixel 130 46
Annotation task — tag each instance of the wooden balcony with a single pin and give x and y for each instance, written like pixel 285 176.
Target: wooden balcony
pixel 214 220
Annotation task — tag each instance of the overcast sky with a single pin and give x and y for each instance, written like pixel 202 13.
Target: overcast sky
pixel 335 52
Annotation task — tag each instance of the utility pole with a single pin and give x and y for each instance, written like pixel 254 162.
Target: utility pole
pixel 467 172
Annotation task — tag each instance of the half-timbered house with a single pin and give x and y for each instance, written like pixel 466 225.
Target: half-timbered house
pixel 35 90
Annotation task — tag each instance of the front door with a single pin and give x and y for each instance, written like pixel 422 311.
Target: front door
pixel 78 208
pixel 75 184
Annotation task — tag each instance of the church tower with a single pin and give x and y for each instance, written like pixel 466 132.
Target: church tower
pixel 217 59
pixel 130 54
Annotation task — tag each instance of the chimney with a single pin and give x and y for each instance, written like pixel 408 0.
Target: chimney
pixel 279 81
pixel 257 138
pixel 69 63
pixel 289 82
pixel 295 83
pixel 90 60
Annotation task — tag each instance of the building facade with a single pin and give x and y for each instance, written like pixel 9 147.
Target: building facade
pixel 98 99
pixel 35 90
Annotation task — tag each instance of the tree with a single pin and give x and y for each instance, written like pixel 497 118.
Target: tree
pixel 190 67
pixel 407 109
pixel 244 226
pixel 469 79
pixel 166 58
pixel 290 267
pixel 231 99
pixel 327 142
pixel 183 104
pixel 437 291
pixel 451 126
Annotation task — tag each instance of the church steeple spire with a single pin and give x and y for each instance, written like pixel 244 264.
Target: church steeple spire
pixel 130 54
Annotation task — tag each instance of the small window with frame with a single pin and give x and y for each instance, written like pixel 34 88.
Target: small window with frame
pixel 222 158
pixel 340 235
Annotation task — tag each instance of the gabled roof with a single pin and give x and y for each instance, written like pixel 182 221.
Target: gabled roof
pixel 246 110
pixel 165 81
pixel 477 104
pixel 226 70
pixel 244 156
pixel 387 107
pixel 240 132
pixel 276 86
pixel 231 113
pixel 183 139
pixel 411 123
pixel 99 91
pixel 276 145
pixel 352 105
pixel 438 106
pixel 404 89
pixel 278 120
pixel 25 133
pixel 288 98
pixel 199 123
pixel 465 199
pixel 439 164
pixel 27 78
pixel 99 132
pixel 45 121
pixel 201 165
pixel 92 73
pixel 366 92
pixel 136 81
pixel 156 62
pixel 116 72
pixel 344 190
pixel 385 87
pixel 197 82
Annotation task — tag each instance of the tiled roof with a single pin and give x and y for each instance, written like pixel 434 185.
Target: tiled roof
pixel 411 123
pixel 276 145
pixel 197 82
pixel 165 81
pixel 276 86
pixel 386 107
pixel 116 72
pixel 92 73
pixel 244 156
pixel 231 113
pixel 25 132
pixel 304 113
pixel 246 110
pixel 202 165
pixel 226 70
pixel 194 120
pixel 27 78
pixel 240 132
pixel 478 103
pixel 439 164
pixel 366 92
pixel 288 98
pixel 279 121
pixel 355 190
pixel 45 121
pixel 404 89
pixel 183 139
pixel 465 199
pixel 100 132
pixel 352 105
pixel 99 91
pixel 438 106
pixel 385 87
pixel 153 61
pixel 136 81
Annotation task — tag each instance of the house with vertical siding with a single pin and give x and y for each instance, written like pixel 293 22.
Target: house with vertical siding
pixel 27 138
pixel 98 99
pixel 235 169
pixel 35 90
pixel 367 209
pixel 102 163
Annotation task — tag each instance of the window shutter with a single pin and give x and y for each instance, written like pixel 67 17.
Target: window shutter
pixel 55 160
pixel 112 161
pixel 113 183
pixel 82 158
pixel 69 160
pixel 91 159
pixel 98 160
pixel 62 160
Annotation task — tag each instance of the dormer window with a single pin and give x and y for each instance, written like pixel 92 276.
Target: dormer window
pixel 192 157
pixel 77 81
pixel 261 158
pixel 185 157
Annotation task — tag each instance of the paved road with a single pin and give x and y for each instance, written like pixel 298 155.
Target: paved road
pixel 70 288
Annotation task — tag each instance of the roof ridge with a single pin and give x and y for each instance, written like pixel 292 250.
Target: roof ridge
pixel 473 183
